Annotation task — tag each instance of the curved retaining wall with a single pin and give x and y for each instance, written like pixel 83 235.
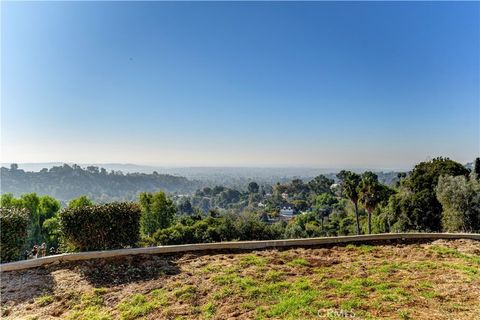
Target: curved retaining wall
pixel 239 245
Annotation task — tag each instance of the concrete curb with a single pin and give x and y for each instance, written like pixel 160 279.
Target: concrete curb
pixel 239 245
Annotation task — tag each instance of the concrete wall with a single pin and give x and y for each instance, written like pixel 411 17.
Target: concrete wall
pixel 239 245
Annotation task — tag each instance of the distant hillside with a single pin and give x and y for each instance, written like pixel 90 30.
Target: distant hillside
pixel 231 177
pixel 67 182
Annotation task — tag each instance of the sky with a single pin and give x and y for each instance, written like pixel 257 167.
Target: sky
pixel 324 84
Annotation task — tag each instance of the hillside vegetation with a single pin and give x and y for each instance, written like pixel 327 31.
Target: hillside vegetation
pixel 440 195
pixel 68 182
pixel 437 280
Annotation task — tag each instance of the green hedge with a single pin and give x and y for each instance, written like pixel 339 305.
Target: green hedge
pixel 99 227
pixel 13 224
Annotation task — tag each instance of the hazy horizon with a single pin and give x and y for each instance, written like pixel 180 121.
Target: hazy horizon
pixel 240 84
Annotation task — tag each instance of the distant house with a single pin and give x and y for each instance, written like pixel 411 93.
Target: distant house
pixel 285 196
pixel 286 212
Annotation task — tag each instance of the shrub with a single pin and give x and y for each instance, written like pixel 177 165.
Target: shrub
pixel 98 227
pixel 14 223
pixel 158 212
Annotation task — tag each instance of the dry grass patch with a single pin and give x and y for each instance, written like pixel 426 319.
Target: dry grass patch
pixel 438 280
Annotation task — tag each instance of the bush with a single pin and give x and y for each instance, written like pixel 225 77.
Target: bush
pixel 99 227
pixel 14 223
pixel 224 228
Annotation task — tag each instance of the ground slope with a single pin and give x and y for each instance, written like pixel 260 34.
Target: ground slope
pixel 437 280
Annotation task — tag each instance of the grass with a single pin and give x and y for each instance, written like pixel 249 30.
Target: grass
pixel 44 300
pixel 451 252
pixel 90 306
pixel 298 262
pixel 252 260
pixel 185 292
pixel 366 282
pixel 208 310
pixel 135 306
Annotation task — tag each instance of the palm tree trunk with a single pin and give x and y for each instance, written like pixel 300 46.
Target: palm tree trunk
pixel 369 222
pixel 356 216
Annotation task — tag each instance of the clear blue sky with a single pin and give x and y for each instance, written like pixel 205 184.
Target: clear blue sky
pixel 240 84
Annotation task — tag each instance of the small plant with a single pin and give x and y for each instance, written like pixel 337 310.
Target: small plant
pixel 44 300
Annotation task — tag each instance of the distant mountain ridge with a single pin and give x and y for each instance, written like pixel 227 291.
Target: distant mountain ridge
pixel 68 182
pixel 111 182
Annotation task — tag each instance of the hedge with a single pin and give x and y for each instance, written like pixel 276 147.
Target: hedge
pixel 100 227
pixel 13 224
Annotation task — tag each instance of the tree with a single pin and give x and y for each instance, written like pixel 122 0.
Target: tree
pixel 31 202
pixel 185 206
pixel 82 201
pixel 415 206
pixel 350 182
pixel 460 199
pixel 48 210
pixel 320 184
pixel 300 205
pixel 324 204
pixel 39 210
pixel 371 194
pixel 253 187
pixel 158 212
pixel 476 168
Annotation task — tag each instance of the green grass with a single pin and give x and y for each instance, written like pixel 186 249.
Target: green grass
pixel 44 300
pixel 451 252
pixel 90 313
pixel 350 304
pixel 135 306
pixel 404 315
pixel 430 294
pixel 208 310
pixel 363 248
pixel 298 262
pixel 90 306
pixel 185 292
pixel 293 305
pixel 274 275
pixel 252 260
pixel 471 272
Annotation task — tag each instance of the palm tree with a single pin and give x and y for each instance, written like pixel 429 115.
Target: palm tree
pixel 350 182
pixel 371 193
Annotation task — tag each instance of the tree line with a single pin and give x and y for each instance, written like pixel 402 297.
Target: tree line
pixel 437 195
pixel 68 182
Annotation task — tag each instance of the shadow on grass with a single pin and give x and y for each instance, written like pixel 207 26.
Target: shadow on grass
pixel 25 285
pixel 115 271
